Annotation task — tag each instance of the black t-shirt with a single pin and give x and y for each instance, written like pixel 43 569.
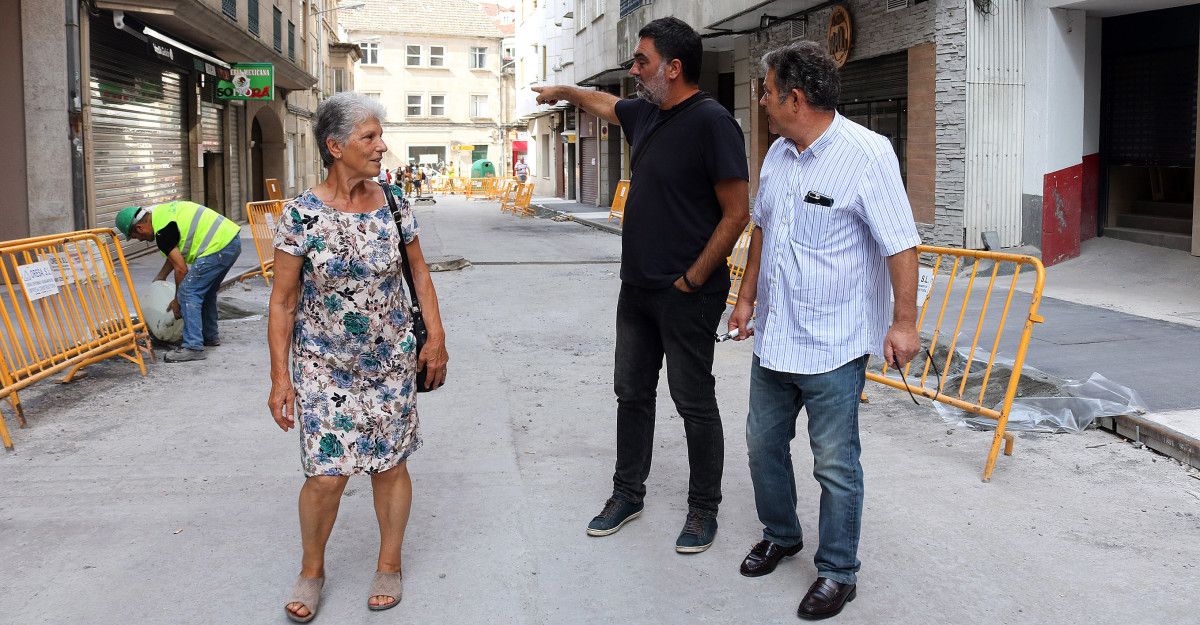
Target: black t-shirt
pixel 672 209
pixel 167 239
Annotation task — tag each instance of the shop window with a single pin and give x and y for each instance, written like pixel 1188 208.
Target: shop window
pixel 888 118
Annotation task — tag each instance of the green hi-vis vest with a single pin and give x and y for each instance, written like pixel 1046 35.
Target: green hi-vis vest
pixel 202 230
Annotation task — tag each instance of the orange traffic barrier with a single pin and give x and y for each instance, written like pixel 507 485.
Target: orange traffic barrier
pixel 508 197
pixel 979 328
pixel 67 302
pixel 524 196
pixel 737 263
pixel 617 210
pixel 263 216
pixel 966 378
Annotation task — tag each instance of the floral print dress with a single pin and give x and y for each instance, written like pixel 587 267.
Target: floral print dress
pixel 353 352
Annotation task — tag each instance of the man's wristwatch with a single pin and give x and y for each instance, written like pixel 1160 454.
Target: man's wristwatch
pixel 689 284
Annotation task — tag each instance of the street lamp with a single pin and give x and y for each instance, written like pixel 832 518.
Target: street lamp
pixel 349 6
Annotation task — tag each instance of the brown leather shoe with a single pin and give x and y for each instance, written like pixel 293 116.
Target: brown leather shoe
pixel 765 556
pixel 825 599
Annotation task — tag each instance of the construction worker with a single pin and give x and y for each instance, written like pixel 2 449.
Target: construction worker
pixel 200 245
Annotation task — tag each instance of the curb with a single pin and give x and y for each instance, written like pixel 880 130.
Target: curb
pixel 543 211
pixel 1161 438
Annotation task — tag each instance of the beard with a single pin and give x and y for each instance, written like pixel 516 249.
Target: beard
pixel 653 91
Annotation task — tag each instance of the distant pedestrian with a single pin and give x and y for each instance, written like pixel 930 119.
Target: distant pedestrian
pixel 408 180
pixel 833 238
pixel 521 170
pixel 418 179
pixel 200 246
pixel 687 205
pixel 339 308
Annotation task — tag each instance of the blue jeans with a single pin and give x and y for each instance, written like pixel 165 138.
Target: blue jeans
pixel 831 399
pixel 197 294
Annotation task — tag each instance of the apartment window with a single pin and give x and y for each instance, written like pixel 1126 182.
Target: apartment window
pixel 412 56
pixel 478 57
pixel 415 103
pixel 479 106
pixel 291 41
pixel 437 105
pixel 339 80
pixel 229 8
pixel 277 22
pixel 374 95
pixel 252 16
pixel 437 56
pixel 599 9
pixel 370 53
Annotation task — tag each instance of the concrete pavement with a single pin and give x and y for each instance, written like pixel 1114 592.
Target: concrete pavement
pixel 171 498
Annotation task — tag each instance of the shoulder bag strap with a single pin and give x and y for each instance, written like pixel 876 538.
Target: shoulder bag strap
pixel 405 265
pixel 642 145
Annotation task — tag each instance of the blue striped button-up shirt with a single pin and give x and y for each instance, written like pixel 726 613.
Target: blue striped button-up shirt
pixel 823 283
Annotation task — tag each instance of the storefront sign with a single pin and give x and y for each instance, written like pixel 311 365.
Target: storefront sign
pixel 841 35
pixel 163 51
pixel 248 81
pixel 464 148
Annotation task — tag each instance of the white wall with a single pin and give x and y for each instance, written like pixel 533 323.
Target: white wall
pixel 1055 41
pixel 1091 87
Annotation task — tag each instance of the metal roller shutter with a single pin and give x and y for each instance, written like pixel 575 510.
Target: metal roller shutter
pixel 212 126
pixel 238 210
pixel 880 78
pixel 139 149
pixel 588 173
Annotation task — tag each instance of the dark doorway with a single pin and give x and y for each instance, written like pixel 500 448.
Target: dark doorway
pixel 559 179
pixel 725 90
pixel 571 168
pixel 1148 126
pixel 214 182
pixel 256 161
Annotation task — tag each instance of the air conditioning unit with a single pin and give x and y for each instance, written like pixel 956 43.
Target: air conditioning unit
pixel 895 5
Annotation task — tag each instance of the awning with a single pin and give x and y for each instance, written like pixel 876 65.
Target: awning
pixel 198 25
pixel 612 76
pixel 750 19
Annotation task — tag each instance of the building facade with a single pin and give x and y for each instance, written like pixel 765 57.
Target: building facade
pixel 437 68
pixel 1019 119
pixel 134 111
pixel 544 53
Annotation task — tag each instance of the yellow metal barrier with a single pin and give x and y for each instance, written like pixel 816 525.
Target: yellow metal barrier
pixel 983 391
pixel 263 216
pixel 617 211
pixel 508 198
pixel 737 263
pixel 989 326
pixel 524 196
pixel 63 307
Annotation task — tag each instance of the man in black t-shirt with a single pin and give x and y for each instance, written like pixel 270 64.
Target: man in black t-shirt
pixel 688 202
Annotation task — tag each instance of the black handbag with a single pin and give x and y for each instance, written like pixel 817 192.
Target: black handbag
pixel 418 321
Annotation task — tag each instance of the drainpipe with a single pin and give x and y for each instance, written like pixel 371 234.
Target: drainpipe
pixel 75 115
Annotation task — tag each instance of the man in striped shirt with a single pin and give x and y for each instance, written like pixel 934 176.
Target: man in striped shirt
pixel 833 238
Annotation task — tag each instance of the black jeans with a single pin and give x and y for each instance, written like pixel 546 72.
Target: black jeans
pixel 652 323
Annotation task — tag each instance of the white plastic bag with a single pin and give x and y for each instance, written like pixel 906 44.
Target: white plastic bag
pixel 161 322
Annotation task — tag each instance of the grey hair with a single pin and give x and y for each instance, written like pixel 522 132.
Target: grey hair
pixel 337 117
pixel 806 66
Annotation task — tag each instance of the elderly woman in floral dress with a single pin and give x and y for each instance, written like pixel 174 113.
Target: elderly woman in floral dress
pixel 340 307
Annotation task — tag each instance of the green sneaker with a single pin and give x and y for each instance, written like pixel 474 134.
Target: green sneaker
pixel 614 516
pixel 698 533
